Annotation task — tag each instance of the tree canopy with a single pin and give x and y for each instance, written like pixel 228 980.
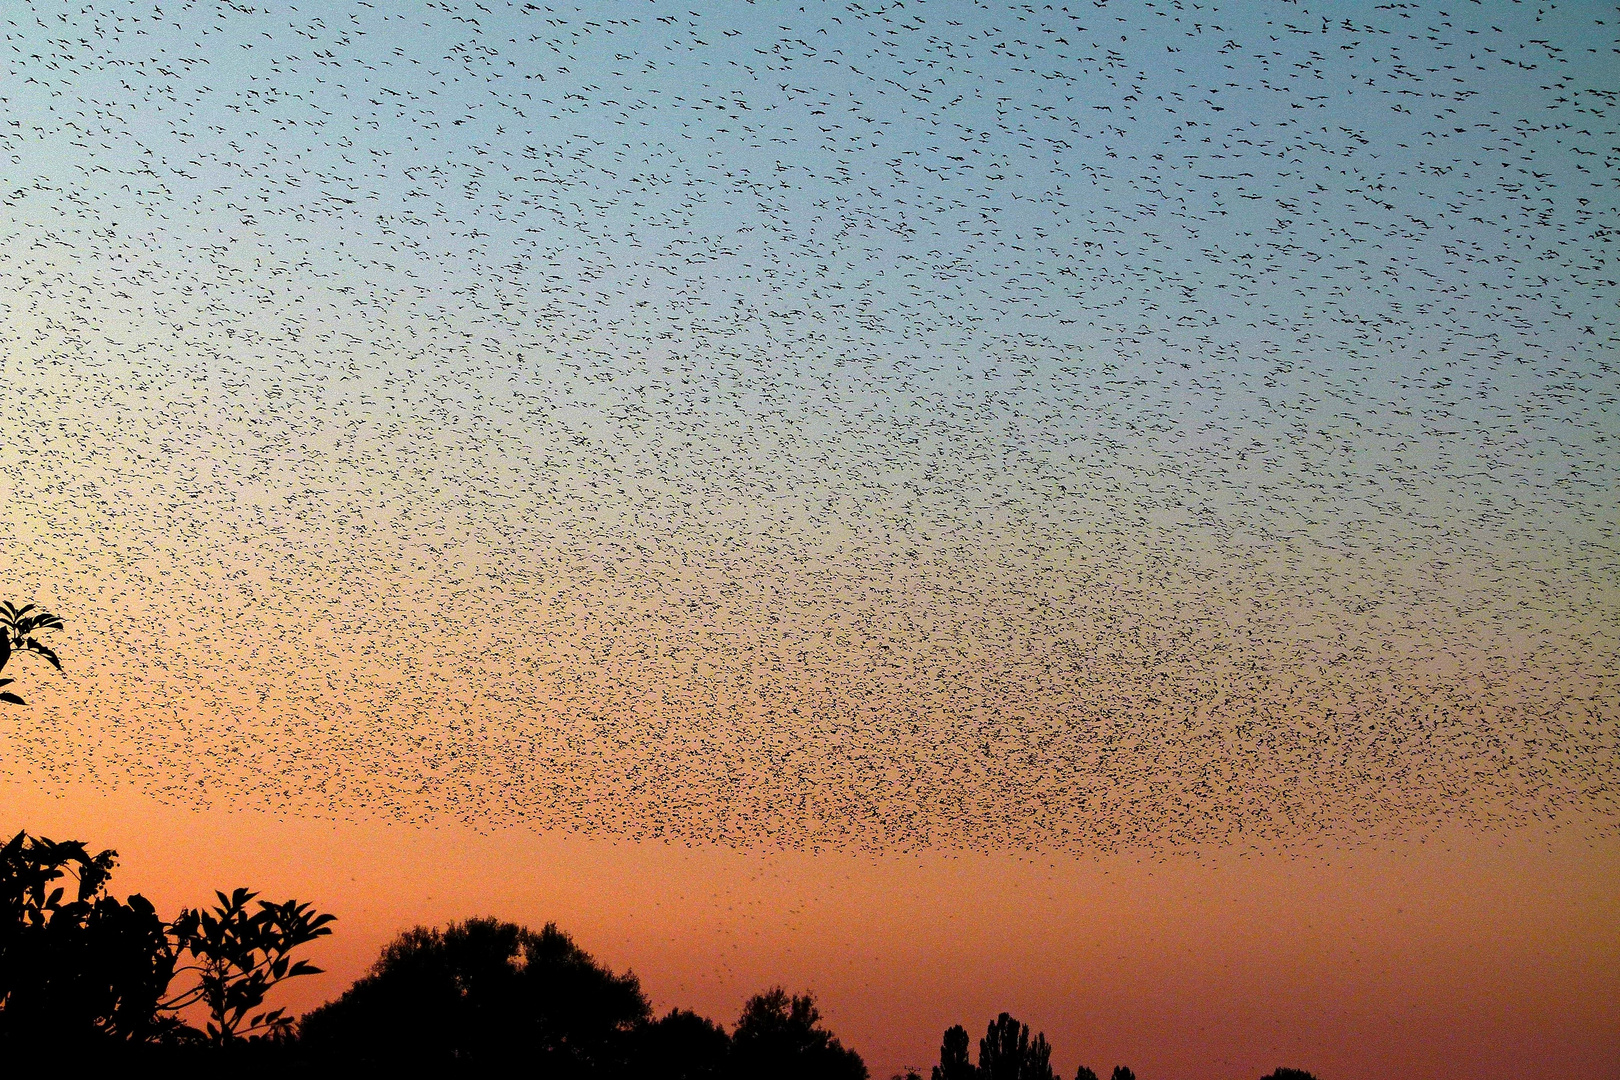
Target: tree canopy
pixel 84 971
pixel 479 994
pixel 1005 1053
pixel 782 1036
pixel 683 1046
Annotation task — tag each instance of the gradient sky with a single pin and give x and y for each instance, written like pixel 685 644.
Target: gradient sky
pixel 1102 436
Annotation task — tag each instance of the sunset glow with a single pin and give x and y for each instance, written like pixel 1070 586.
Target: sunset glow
pixel 1104 512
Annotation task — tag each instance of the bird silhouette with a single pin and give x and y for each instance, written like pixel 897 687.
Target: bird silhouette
pixel 1067 427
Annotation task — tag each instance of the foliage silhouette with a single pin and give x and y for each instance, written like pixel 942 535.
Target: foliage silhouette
pixel 781 1036
pixel 1007 1053
pixel 953 1056
pixel 483 994
pixel 85 974
pixel 87 971
pixel 681 1046
pixel 17 629
pixel 93 973
pixel 240 955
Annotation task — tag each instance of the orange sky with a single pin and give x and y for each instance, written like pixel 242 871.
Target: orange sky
pixel 1165 451
pixel 1461 956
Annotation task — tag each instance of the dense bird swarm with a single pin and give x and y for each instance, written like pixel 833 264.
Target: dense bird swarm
pixel 868 424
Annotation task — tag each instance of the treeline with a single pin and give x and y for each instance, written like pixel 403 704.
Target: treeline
pixel 97 980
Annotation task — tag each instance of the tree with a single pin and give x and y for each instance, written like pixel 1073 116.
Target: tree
pixel 1085 1073
pixel 1289 1074
pixel 953 1056
pixel 88 972
pixel 782 1037
pixel 483 994
pixel 17 629
pixel 681 1046
pixel 1007 1053
pixel 1123 1073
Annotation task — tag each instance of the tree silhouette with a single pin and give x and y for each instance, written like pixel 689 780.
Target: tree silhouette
pixel 782 1037
pixel 1007 1053
pixel 483 994
pixel 85 972
pixel 1085 1073
pixel 1123 1073
pixel 953 1056
pixel 681 1046
pixel 1289 1074
pixel 17 630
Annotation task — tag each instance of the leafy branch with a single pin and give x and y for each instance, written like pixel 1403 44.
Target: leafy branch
pixel 17 629
pixel 241 954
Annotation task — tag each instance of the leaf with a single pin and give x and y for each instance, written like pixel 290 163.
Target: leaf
pixel 8 696
pixel 43 651
pixel 42 621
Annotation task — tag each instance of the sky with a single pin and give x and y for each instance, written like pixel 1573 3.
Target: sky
pixel 967 447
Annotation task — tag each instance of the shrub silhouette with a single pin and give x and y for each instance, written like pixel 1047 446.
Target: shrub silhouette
pixel 240 955
pixel 1122 1073
pixel 1289 1074
pixel 93 973
pixel 483 994
pixel 781 1036
pixel 1085 1073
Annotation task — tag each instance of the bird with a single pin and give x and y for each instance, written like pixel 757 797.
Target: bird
pixel 1109 426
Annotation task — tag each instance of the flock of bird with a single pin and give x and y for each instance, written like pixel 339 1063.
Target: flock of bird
pixel 874 424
